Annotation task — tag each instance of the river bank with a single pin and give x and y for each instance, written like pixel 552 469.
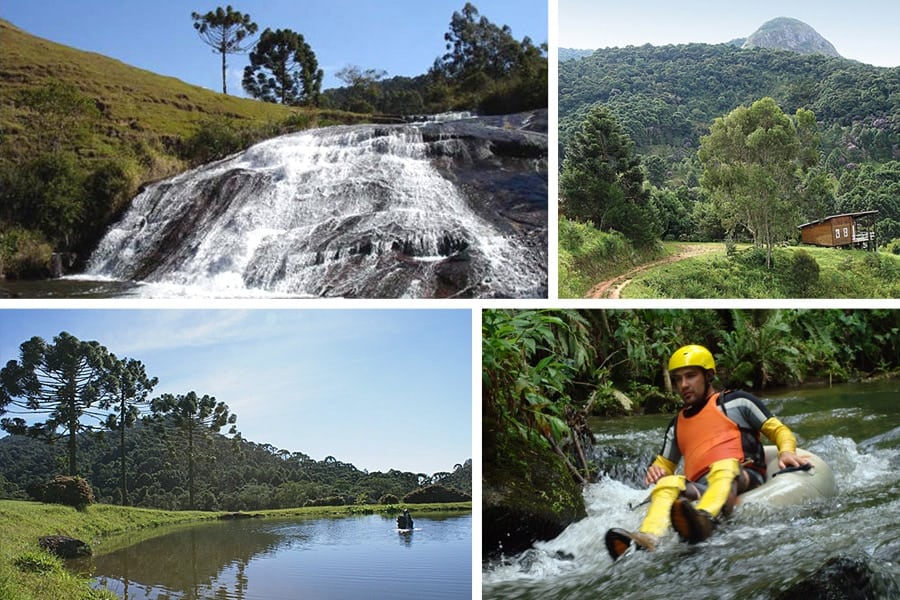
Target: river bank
pixel 28 573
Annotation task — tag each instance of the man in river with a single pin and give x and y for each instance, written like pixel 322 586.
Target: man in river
pixel 718 435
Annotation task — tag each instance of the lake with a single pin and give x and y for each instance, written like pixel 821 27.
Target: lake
pixel 755 555
pixel 322 558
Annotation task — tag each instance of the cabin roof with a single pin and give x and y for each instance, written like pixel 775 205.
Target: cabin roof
pixel 828 218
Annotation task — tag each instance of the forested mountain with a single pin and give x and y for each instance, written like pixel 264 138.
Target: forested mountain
pixel 669 95
pixel 231 474
pixel 666 98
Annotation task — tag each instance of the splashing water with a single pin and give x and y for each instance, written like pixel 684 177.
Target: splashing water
pixel 757 554
pixel 357 211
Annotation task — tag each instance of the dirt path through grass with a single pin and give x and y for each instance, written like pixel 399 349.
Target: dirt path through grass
pixel 611 288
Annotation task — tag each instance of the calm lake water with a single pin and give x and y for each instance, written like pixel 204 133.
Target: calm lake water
pixel 757 554
pixel 256 559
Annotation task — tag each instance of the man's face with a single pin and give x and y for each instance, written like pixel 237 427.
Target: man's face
pixel 690 382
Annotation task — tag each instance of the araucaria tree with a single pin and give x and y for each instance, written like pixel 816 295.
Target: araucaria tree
pixel 64 380
pixel 283 69
pixel 602 182
pixel 756 163
pixel 127 389
pixel 196 418
pixel 227 31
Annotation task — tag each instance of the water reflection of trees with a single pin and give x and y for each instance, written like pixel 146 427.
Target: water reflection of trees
pixel 189 564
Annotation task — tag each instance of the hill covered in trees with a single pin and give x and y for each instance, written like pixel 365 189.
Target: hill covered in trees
pixel 660 103
pixel 666 97
pixel 231 474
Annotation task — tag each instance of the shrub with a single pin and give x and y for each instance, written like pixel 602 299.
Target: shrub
pixel 803 273
pixel 63 489
pixel 214 139
pixel 24 254
pixel 389 499
pixel 435 493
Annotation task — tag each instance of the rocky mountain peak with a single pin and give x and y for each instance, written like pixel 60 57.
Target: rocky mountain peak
pixel 785 33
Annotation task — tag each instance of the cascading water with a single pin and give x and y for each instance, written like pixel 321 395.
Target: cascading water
pixel 354 211
pixel 760 553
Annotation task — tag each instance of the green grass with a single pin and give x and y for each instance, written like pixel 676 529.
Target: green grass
pixel 142 112
pixel 588 256
pixel 28 573
pixel 842 274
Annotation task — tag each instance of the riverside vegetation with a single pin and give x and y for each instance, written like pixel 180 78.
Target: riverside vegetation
pixel 834 123
pixel 545 372
pixel 83 132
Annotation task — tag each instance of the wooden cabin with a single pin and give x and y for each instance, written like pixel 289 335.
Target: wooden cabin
pixel 853 230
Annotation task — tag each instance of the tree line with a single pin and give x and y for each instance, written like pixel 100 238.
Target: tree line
pixel 545 371
pixel 485 68
pixel 171 451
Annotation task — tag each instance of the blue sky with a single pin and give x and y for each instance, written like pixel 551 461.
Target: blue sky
pixel 866 31
pixel 380 389
pixel 402 37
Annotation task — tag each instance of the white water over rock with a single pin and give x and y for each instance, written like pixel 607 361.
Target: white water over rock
pixel 355 211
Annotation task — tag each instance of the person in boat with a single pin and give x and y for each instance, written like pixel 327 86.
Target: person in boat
pixel 718 435
pixel 405 521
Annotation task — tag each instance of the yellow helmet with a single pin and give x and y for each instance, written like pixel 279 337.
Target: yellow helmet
pixel 692 355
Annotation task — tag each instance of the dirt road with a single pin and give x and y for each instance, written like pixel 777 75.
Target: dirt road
pixel 611 288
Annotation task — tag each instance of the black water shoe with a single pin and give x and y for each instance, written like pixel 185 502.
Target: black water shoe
pixel 692 525
pixel 618 541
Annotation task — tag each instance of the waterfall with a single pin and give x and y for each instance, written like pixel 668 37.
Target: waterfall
pixel 354 211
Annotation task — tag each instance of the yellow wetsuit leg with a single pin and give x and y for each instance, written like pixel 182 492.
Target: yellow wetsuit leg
pixel 720 478
pixel 662 497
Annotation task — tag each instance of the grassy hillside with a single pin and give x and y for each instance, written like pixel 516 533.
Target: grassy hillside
pixel 136 106
pixel 81 132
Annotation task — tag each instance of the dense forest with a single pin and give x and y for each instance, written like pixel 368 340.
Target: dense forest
pixel 73 407
pixel 231 474
pixel 546 371
pixel 84 133
pixel 664 101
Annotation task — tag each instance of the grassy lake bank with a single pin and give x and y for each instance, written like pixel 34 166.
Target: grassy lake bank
pixel 29 573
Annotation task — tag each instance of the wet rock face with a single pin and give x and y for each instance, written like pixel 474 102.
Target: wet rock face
pixel 527 495
pixel 451 209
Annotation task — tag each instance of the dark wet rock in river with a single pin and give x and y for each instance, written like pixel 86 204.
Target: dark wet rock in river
pixel 425 210
pixel 842 578
pixel 528 494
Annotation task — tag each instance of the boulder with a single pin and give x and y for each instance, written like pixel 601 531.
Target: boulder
pixel 64 546
pixel 528 494
pixel 840 578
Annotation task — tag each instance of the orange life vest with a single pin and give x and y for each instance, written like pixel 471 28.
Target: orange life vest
pixel 706 437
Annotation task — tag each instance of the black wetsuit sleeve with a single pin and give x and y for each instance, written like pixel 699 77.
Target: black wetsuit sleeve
pixel 669 449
